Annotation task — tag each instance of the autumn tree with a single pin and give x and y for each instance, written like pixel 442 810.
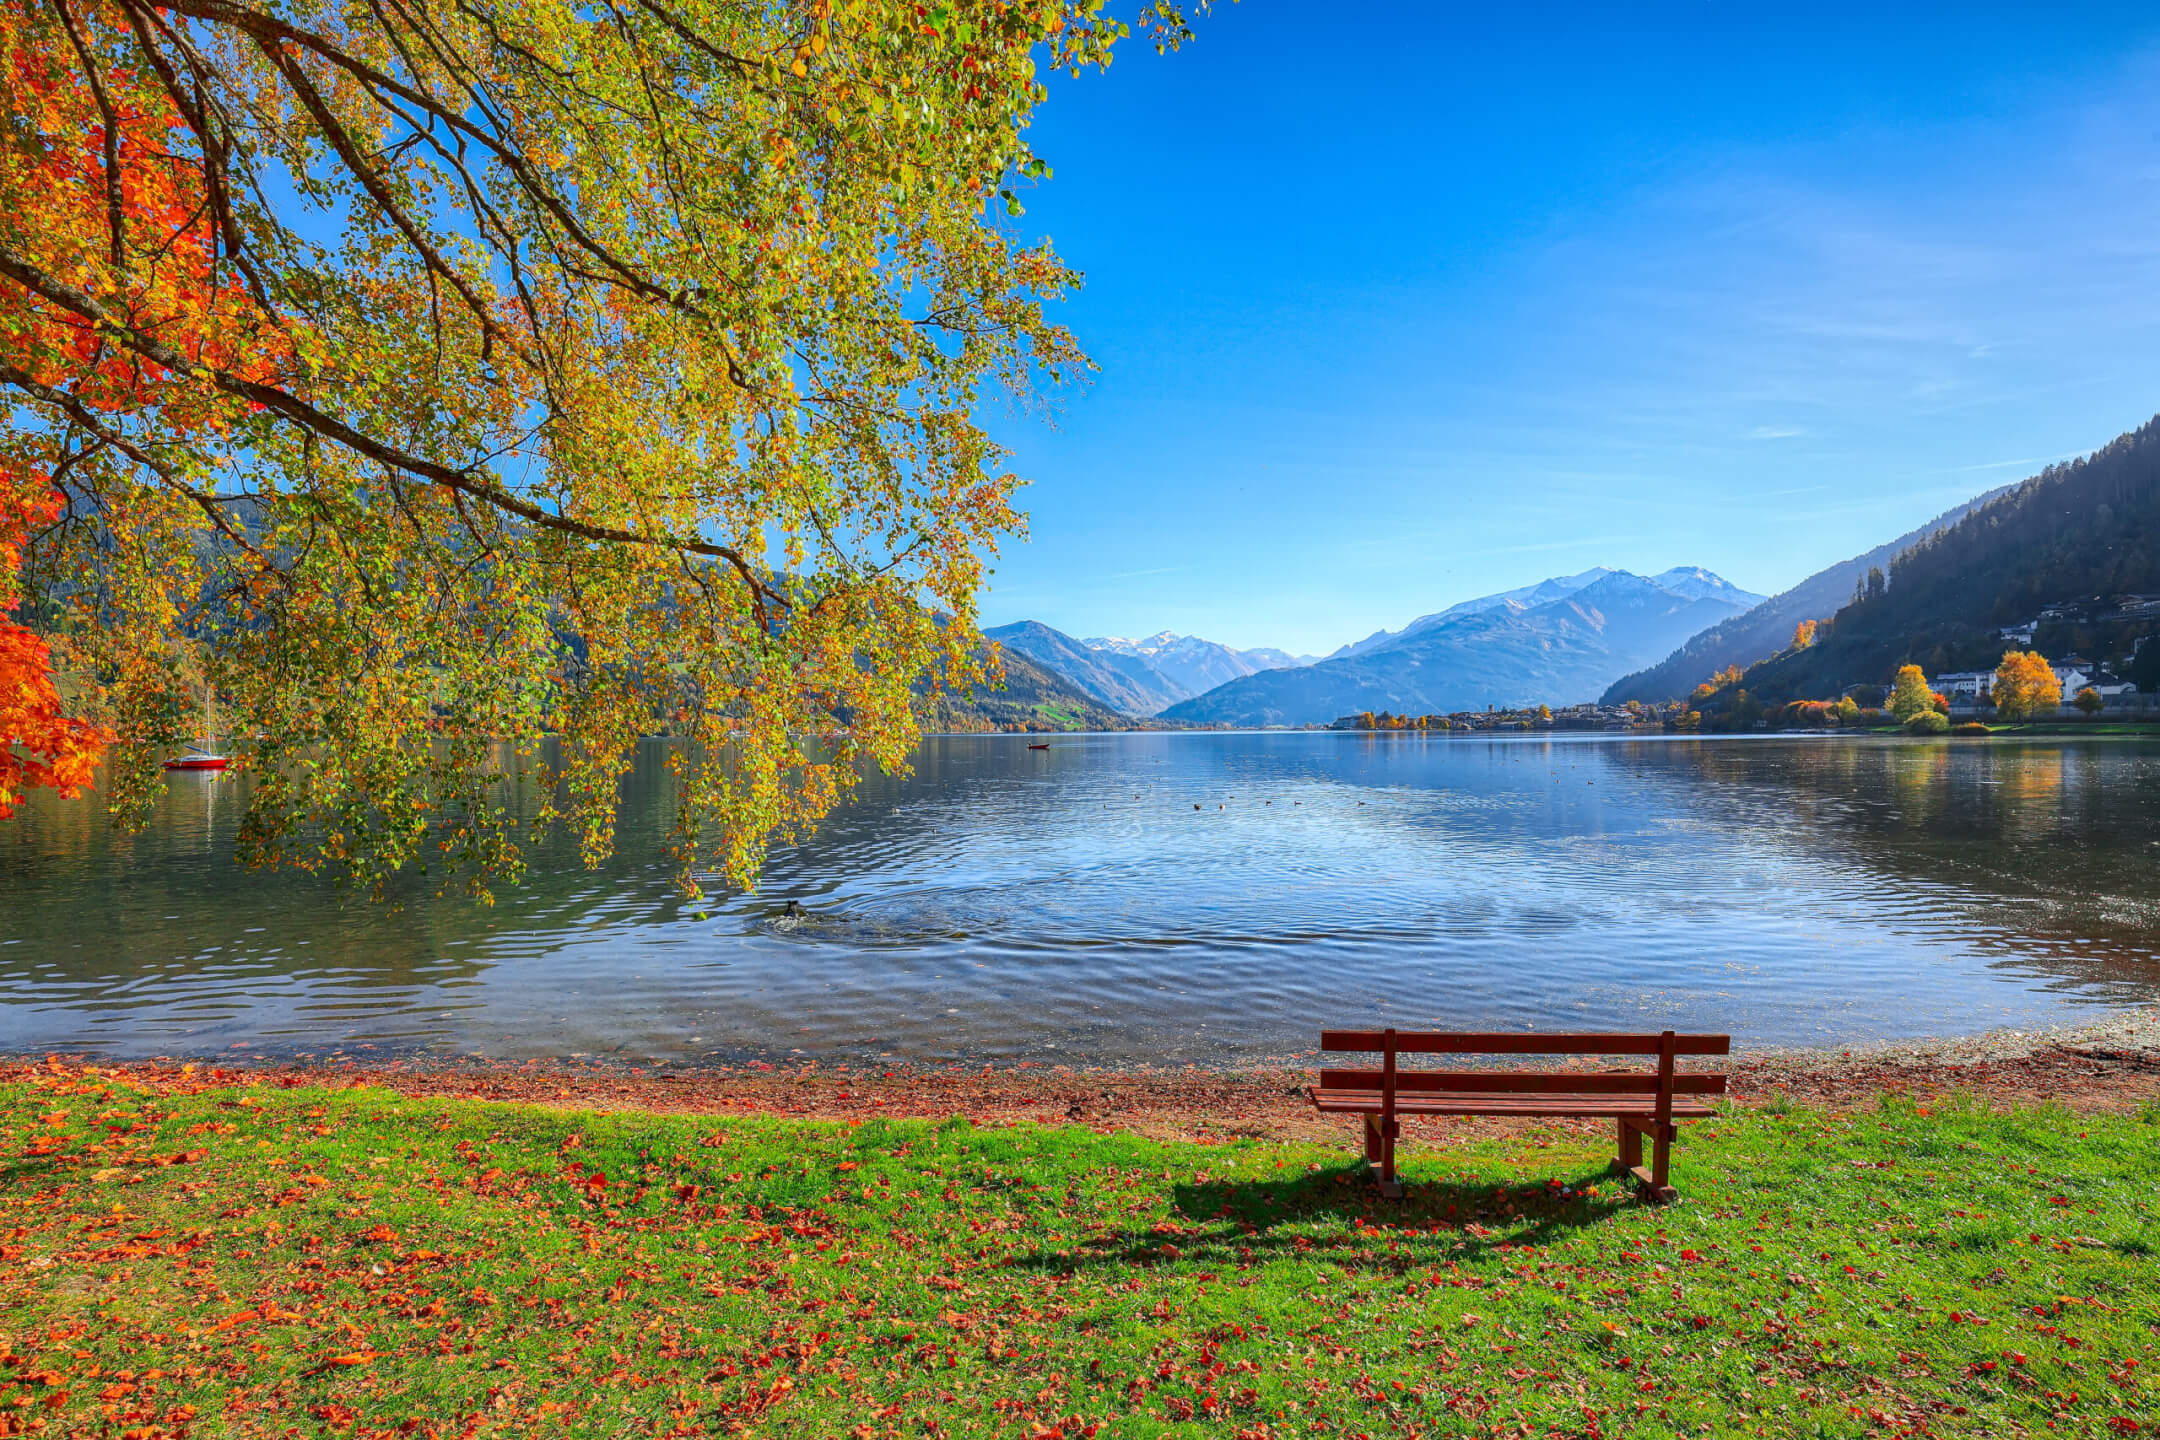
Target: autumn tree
pixel 2025 685
pixel 2089 702
pixel 40 747
pixel 428 377
pixel 1803 634
pixel 1910 695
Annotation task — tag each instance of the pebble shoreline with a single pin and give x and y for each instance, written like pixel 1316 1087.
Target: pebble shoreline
pixel 2111 1064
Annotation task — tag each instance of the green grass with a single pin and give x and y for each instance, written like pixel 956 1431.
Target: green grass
pixel 263 1261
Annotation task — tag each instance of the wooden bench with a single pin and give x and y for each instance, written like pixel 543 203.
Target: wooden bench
pixel 1643 1102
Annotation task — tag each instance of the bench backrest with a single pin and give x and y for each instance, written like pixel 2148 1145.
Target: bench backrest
pixel 1662 1081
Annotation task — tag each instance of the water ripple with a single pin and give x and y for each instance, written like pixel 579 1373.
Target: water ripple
pixel 1161 897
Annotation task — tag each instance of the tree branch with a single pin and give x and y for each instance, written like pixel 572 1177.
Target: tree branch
pixel 461 479
pixel 114 224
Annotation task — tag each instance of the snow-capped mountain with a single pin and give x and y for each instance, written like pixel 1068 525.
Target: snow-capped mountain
pixel 1192 664
pixel 1557 642
pixel 1689 581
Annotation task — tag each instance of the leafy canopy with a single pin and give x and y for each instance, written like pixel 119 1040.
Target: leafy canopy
pixel 2025 685
pixel 419 378
pixel 39 746
pixel 1911 695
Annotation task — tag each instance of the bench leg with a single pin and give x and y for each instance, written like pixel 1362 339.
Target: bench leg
pixel 1380 1154
pixel 1655 1178
pixel 1661 1188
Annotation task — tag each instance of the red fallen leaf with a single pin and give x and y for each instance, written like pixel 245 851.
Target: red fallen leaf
pixel 185 1157
pixel 1691 1254
pixel 848 1165
pixel 381 1235
pixel 335 1362
pixel 595 1181
pixel 240 1319
pixel 55 1400
pixel 686 1192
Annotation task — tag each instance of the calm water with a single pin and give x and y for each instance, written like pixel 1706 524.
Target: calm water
pixel 1161 897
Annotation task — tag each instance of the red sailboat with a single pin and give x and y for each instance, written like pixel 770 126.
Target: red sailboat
pixel 202 757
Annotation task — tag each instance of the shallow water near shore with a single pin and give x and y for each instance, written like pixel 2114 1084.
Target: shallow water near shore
pixel 1158 898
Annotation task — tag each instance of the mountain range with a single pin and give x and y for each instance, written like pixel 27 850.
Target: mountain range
pixel 2074 550
pixel 1690 581
pixel 1556 643
pixel 1137 677
pixel 1198 665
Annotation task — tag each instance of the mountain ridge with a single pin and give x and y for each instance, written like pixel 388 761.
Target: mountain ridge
pixel 1126 683
pixel 2062 550
pixel 1497 650
pixel 1691 580
pixel 1768 628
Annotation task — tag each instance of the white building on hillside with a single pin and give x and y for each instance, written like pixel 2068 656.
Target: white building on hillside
pixel 2072 675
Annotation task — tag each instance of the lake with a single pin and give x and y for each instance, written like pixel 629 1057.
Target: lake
pixel 1172 898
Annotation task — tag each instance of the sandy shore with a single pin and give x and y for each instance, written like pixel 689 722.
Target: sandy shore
pixel 2110 1064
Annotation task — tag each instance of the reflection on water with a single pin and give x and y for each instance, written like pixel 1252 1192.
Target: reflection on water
pixel 1159 897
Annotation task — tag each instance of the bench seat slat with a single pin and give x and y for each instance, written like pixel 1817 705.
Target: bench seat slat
pixel 1522 1082
pixel 1425 1042
pixel 1369 1102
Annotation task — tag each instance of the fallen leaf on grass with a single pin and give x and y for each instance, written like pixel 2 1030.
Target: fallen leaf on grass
pixel 335 1362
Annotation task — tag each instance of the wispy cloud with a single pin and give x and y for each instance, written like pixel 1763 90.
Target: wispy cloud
pixel 1776 432
pixel 2012 464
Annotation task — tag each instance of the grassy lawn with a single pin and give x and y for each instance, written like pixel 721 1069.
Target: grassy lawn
pixel 243 1260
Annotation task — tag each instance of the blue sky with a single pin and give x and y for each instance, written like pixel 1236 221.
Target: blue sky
pixel 1397 305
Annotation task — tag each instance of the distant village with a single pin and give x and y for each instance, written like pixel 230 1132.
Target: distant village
pixel 1631 716
pixel 2073 673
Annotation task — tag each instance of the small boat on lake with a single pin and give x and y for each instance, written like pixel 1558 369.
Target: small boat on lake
pixel 203 757
pixel 1033 746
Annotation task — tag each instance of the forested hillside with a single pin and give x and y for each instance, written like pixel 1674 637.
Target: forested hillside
pixel 1033 698
pixel 2089 528
pixel 1768 628
pixel 1122 682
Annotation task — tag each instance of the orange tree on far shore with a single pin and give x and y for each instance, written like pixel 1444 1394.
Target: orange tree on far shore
pixel 2025 685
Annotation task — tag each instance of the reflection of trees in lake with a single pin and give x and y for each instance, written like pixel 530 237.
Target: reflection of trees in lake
pixel 106 907
pixel 2054 844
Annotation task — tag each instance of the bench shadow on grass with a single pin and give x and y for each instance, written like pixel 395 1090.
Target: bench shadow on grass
pixel 1230 1222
